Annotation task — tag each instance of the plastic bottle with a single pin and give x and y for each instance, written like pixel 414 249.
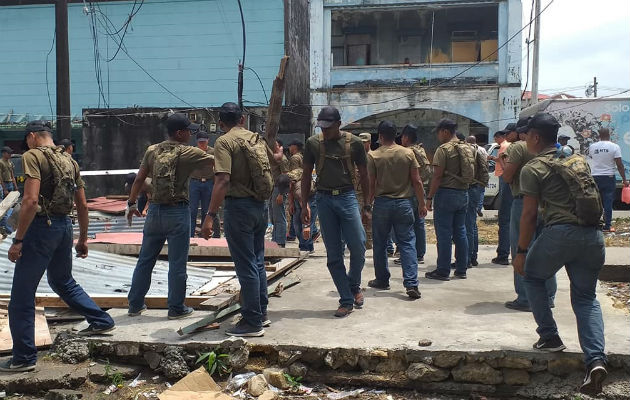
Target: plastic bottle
pixel 625 195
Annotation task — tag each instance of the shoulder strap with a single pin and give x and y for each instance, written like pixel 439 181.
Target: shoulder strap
pixel 348 157
pixel 322 154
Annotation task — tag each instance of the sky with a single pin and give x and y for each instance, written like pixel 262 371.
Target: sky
pixel 581 39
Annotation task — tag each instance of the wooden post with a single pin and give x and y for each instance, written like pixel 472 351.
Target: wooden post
pixel 275 105
pixel 63 70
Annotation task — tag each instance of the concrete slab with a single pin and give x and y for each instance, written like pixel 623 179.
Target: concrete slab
pixel 460 315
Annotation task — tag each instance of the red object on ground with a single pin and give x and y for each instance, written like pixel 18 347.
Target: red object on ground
pixel 625 195
pixel 136 238
pixel 110 206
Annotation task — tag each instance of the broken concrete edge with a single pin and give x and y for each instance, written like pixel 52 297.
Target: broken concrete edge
pixel 420 369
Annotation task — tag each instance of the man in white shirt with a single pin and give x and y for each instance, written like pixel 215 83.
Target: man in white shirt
pixel 603 158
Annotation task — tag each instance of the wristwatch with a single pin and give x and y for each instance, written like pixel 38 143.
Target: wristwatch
pixel 367 208
pixel 211 214
pixel 131 203
pixel 520 251
pixel 17 241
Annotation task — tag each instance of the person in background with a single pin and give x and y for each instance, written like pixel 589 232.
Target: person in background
pixel 604 158
pixel 563 140
pixel 144 197
pixel 366 138
pixel 474 192
pixel 67 145
pixel 472 140
pixel 7 180
pixel 200 187
pixel 278 201
pixel 505 195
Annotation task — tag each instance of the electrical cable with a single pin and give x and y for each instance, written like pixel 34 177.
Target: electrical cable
pixel 261 84
pixel 47 55
pixel 528 42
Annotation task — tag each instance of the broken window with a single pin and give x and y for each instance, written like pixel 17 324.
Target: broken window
pixel 414 36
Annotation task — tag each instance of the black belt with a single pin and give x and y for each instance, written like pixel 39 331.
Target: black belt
pixel 202 179
pixel 176 204
pixel 336 192
pixel 448 188
pixel 520 196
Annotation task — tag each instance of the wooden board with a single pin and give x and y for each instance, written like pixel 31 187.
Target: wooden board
pixel 222 266
pixel 9 202
pixel 42 334
pixel 113 301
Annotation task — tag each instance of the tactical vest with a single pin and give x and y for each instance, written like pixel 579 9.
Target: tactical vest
pixel 255 151
pixel 165 172
pixel 345 158
pixel 64 173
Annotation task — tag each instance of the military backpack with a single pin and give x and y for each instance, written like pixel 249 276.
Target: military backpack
pixel 426 171
pixel 255 151
pixel 64 173
pixel 576 173
pixel 345 159
pixel 164 171
pixel 466 162
pixel 482 177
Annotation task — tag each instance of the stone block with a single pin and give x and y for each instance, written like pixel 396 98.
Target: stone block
pixel 426 373
pixel 275 377
pixel 564 366
pixel 392 364
pixel 297 369
pixel 447 360
pixel 515 376
pixel 510 362
pixel 173 363
pixel 70 348
pixel 477 373
pixel 332 360
pixel 268 395
pixel 257 385
pixel 128 349
pixel 63 394
pixel 368 363
pixel 287 357
pixel 238 357
pixel 153 359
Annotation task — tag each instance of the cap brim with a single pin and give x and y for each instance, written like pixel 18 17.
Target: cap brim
pixel 193 127
pixel 322 123
pixel 522 129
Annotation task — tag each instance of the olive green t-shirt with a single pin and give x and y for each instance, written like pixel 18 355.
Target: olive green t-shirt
pixel 6 170
pixel 334 173
pixel 230 159
pixel 390 165
pixel 295 161
pixel 539 181
pixel 206 171
pixel 447 157
pixel 190 158
pixel 517 154
pixel 36 166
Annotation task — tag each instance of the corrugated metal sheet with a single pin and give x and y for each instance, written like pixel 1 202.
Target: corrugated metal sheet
pixel 105 273
pixel 111 223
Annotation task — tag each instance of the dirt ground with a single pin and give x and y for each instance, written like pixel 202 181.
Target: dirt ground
pixel 489 231
pixel 620 294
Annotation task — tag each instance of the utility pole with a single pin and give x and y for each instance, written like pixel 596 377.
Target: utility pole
pixel 63 69
pixel 594 86
pixel 534 98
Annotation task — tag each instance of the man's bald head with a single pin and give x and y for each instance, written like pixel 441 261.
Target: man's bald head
pixel 471 139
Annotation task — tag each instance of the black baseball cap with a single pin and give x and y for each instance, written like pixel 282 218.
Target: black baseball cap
pixel 296 143
pixel 65 143
pixel 446 123
pixel 38 125
pixel 544 122
pixel 7 149
pixel 327 117
pixel 409 129
pixel 178 122
pixel 563 136
pixel 202 135
pixel 511 127
pixel 521 125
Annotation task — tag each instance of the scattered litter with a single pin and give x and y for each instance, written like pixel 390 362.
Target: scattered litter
pixel 389 397
pixel 345 394
pixel 110 389
pixel 197 385
pixel 3 395
pixel 238 381
pixel 304 389
pixel 137 382
pixel 168 385
pixel 156 378
pixel 92 364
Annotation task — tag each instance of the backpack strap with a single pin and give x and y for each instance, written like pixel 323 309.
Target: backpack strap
pixel 322 154
pixel 348 156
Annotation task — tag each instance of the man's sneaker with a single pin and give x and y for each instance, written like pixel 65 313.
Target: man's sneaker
pixel 187 311
pixel 359 300
pixel 8 366
pixel 96 330
pixel 479 213
pixel 376 284
pixel 514 305
pixel 397 261
pixel 390 253
pixel 459 276
pixel 266 322
pixel 595 375
pixel 316 236
pixel 244 329
pixel 290 239
pixel 343 311
pixel 420 260
pixel 413 292
pixel 501 261
pixel 473 263
pixel 550 345
pixel 434 275
pixel 135 313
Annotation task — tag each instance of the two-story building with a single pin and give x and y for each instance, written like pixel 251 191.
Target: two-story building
pixel 416 62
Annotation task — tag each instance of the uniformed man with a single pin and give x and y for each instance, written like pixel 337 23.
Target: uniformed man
pixel 295 152
pixel 503 248
pixel 394 185
pixel 450 197
pixel 409 138
pixel 201 184
pixel 244 217
pixel 277 204
pixel 516 156
pixel 67 145
pixel 475 191
pixel 366 138
pixel 170 165
pixel 336 153
pixel 7 179
pixel 566 240
pixel 43 243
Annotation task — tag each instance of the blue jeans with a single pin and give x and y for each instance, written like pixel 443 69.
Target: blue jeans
pixel 481 198
pixel 503 250
pixel 449 218
pixel 305 244
pixel 419 230
pixel 278 218
pixel 340 221
pixel 581 251
pixel 606 186
pixel 471 221
pixel 163 222
pixel 3 221
pixel 519 286
pixel 46 248
pixel 396 214
pixel 244 220
pixel 199 192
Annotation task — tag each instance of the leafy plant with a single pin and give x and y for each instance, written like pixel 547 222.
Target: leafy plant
pixel 294 382
pixel 115 378
pixel 214 363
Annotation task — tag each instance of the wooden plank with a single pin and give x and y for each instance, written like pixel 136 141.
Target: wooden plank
pixel 8 202
pixel 113 301
pixel 42 334
pixel 224 266
pixel 275 102
pixel 277 288
pixel 193 251
pixel 213 283
pixel 117 197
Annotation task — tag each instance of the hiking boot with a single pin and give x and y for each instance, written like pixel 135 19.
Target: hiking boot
pixel 343 311
pixel 187 311
pixel 8 366
pixel 413 292
pixel 551 345
pixel 94 330
pixel 459 276
pixel 266 322
pixel 376 284
pixel 501 261
pixel 595 375
pixel 358 299
pixel 514 305
pixel 135 313
pixel 434 275
pixel 473 263
pixel 244 329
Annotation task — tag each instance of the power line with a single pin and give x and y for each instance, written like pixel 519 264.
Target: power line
pixel 528 42
pixel 52 46
pixel 261 84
